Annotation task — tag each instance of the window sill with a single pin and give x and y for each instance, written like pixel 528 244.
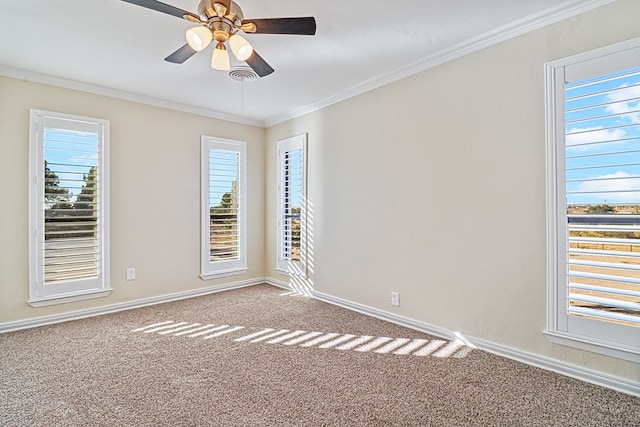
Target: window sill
pixel 63 299
pixel 631 354
pixel 223 273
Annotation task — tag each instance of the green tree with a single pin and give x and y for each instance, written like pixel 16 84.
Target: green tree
pixel 223 223
pixel 85 202
pixel 55 196
pixel 228 202
pixel 84 208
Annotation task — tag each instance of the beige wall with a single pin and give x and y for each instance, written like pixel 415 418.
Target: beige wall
pixel 155 195
pixel 434 186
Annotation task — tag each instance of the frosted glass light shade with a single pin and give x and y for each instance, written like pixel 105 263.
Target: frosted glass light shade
pixel 199 38
pixel 240 47
pixel 220 58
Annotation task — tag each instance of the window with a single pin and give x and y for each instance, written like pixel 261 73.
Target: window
pixel 593 109
pixel 69 212
pixel 291 236
pixel 224 207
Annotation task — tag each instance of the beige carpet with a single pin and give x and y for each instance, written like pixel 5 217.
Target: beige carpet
pixel 257 357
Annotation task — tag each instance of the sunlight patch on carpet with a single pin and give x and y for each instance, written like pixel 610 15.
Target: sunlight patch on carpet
pixel 323 340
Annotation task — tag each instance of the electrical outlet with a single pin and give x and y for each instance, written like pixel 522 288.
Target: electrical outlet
pixel 131 274
pixel 395 298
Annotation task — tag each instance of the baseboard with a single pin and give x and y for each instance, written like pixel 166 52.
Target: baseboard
pixel 296 285
pixel 583 374
pixel 129 305
pixel 386 316
pixel 278 283
pixel 594 377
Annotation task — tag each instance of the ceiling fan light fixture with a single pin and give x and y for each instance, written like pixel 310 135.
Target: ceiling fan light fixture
pixel 240 47
pixel 219 21
pixel 199 37
pixel 220 58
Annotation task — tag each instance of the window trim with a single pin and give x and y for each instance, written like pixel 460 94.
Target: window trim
pixel 38 295
pixel 558 329
pixel 208 269
pixel 283 265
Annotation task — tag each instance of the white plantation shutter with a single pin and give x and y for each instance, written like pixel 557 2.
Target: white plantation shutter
pixel 602 167
pixel 595 171
pixel 69 215
pixel 291 205
pixel 224 242
pixel 224 206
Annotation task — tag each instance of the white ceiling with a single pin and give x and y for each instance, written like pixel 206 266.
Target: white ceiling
pixel 117 48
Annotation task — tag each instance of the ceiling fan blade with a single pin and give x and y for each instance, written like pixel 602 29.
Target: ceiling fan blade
pixel 164 8
pixel 181 55
pixel 301 26
pixel 259 65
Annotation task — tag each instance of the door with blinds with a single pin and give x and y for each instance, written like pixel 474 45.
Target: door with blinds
pixel 292 205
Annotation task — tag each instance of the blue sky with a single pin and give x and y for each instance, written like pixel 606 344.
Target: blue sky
pixel 70 154
pixel 225 165
pixel 295 184
pixel 603 139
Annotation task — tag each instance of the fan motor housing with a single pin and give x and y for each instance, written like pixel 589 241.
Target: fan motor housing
pixel 208 11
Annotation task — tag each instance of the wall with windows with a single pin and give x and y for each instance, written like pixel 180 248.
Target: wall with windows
pixel 434 187
pixel 155 195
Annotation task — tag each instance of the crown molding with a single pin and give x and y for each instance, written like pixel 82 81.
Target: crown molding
pixel 35 77
pixel 506 32
pixel 533 22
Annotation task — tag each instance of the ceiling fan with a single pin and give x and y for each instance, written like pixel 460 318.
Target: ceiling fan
pixel 220 21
